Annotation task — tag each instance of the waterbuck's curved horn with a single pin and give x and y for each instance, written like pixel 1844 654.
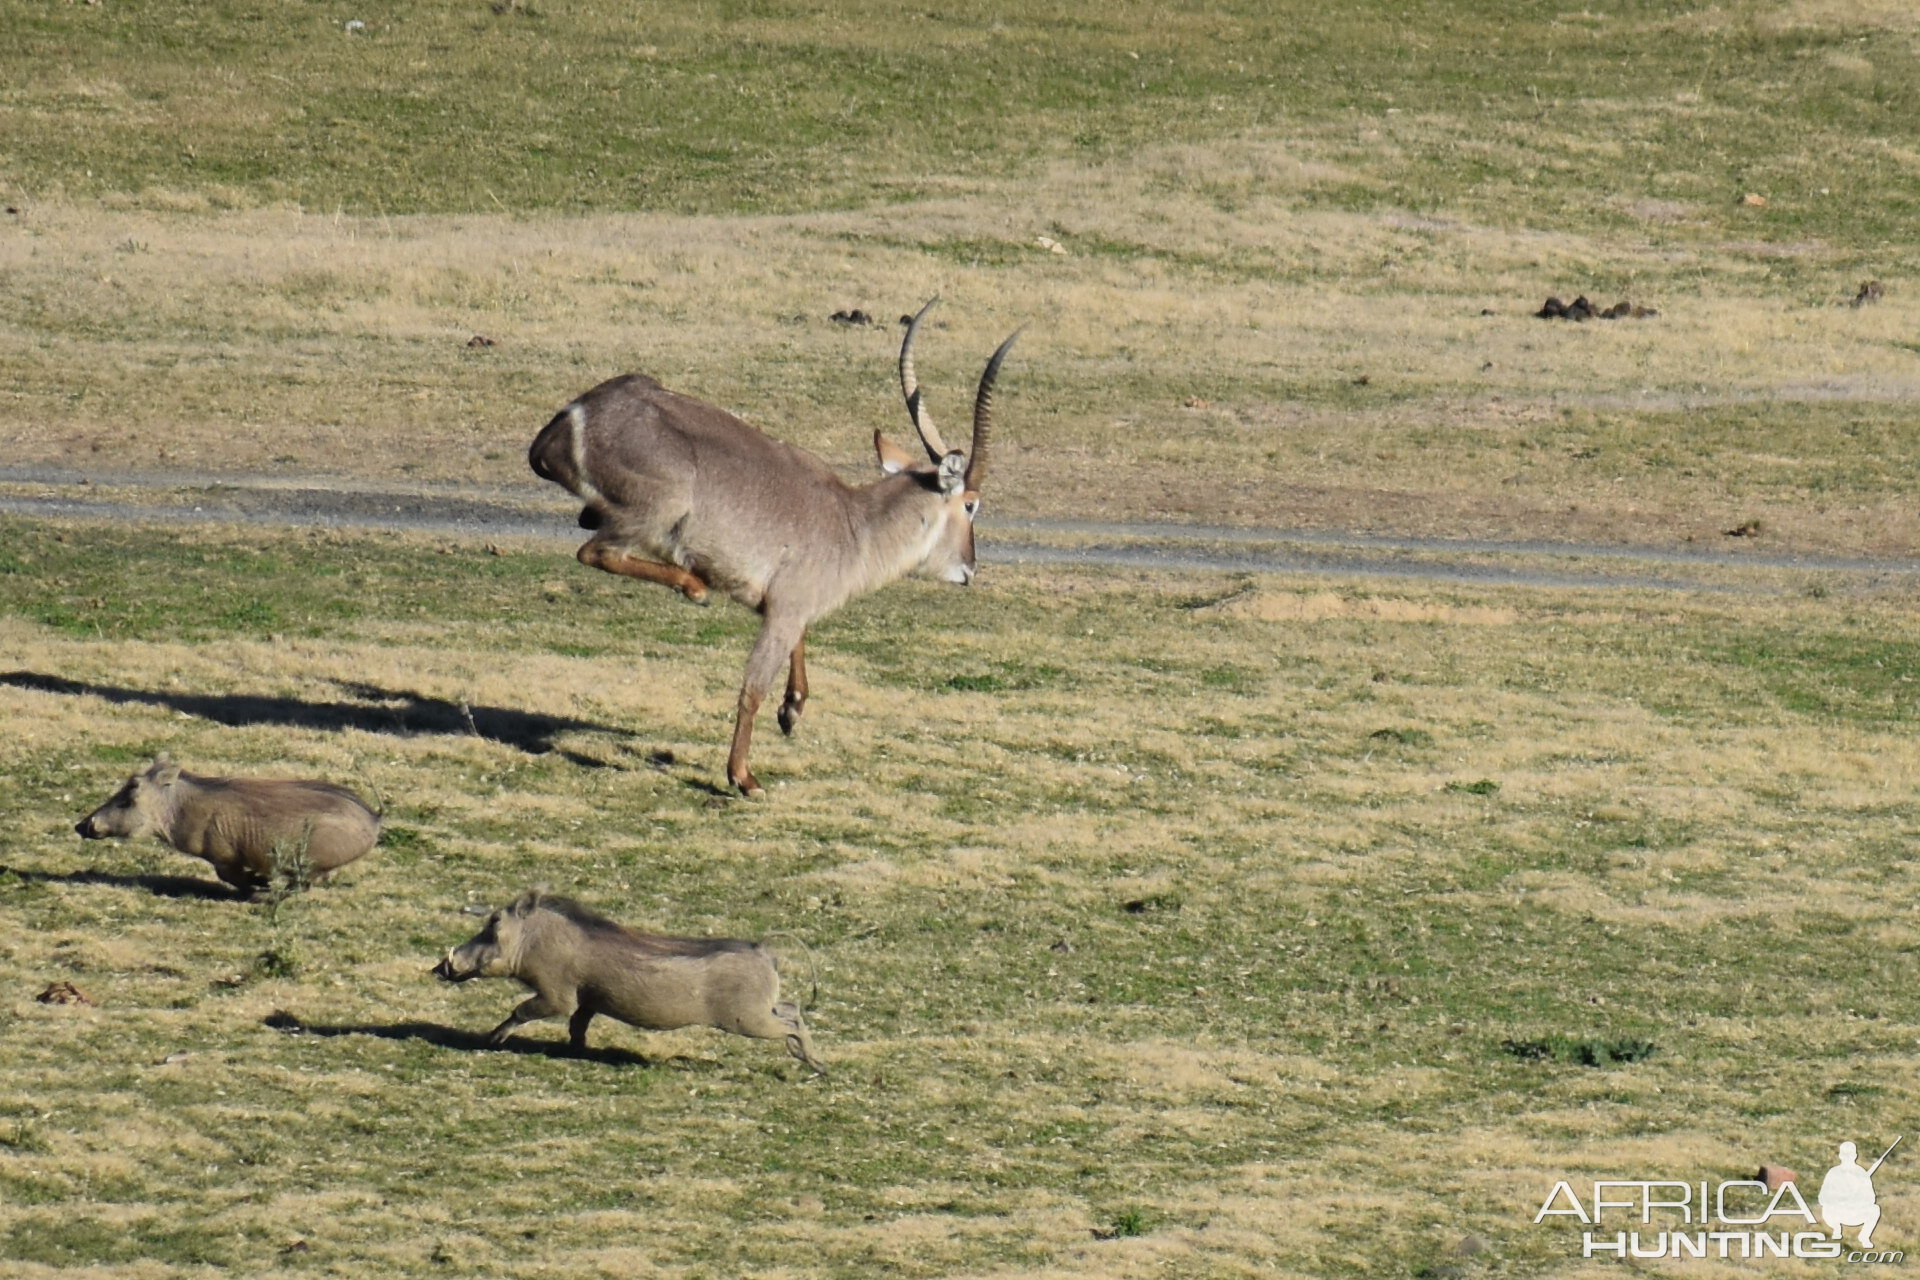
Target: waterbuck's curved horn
pixel 910 388
pixel 983 414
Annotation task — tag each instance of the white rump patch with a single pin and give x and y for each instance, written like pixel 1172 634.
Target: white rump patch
pixel 577 438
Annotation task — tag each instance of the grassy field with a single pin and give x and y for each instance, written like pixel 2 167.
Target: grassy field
pixel 248 241
pixel 1268 929
pixel 1167 924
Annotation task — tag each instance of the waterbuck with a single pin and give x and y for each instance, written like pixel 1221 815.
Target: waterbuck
pixel 681 493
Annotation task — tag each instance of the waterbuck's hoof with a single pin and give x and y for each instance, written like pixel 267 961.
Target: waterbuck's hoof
pixel 696 594
pixel 790 716
pixel 750 788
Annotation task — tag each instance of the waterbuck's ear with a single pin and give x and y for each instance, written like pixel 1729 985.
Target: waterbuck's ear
pixel 953 473
pixel 892 457
pixel 163 771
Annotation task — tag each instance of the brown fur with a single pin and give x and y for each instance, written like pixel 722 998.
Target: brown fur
pixel 580 964
pixel 237 824
pixel 687 495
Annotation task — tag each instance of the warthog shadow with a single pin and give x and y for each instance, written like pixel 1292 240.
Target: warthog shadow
pixel 476 1042
pixel 366 707
pixel 158 886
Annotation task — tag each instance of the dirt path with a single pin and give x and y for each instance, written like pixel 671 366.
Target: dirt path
pixel 53 493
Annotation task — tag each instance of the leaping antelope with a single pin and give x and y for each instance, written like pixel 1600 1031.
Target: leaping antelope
pixel 681 493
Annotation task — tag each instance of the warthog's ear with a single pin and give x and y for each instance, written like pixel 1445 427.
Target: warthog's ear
pixel 525 903
pixel 163 771
pixel 892 457
pixel 953 473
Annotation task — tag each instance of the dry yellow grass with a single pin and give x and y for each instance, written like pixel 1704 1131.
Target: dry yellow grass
pixel 1369 834
pixel 1211 345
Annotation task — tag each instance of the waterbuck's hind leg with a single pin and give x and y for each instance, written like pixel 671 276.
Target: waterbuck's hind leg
pixel 596 554
pixel 775 645
pixel 796 700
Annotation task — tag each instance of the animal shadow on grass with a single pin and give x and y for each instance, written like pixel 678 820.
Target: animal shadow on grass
pixel 661 762
pixel 476 1042
pixel 366 707
pixel 158 886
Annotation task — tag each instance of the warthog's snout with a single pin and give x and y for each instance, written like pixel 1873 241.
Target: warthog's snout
pixel 85 829
pixel 448 970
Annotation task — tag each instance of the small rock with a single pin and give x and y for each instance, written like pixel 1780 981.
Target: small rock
pixel 1469 1247
pixel 1753 200
pixel 64 993
pixel 1552 309
pixel 1871 291
pixel 355 26
pixel 1050 244
pixel 480 340
pixel 1745 529
pixel 174 1059
pixel 1776 1176
pixel 1195 402
pixel 296 1246
pixel 1063 947
pixel 853 317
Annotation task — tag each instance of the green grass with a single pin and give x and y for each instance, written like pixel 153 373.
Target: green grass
pixel 1218 926
pixel 1094 952
pixel 1484 110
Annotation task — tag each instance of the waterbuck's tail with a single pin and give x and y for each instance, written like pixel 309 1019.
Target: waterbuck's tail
pixel 813 971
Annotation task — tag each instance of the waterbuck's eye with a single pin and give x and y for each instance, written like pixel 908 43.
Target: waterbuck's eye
pixel 973 508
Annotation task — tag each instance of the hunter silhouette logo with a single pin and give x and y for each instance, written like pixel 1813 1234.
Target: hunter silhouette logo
pixel 1846 1194
pixel 1676 1219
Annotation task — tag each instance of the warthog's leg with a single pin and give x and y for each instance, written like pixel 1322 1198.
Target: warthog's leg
pixel 596 554
pixel 532 1009
pixel 796 699
pixel 577 1029
pixel 775 645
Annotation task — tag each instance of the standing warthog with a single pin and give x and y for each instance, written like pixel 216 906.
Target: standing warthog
pixel 240 825
pixel 580 964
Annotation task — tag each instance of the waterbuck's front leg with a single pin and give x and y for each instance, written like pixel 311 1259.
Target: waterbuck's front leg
pixel 796 700
pixel 596 554
pixel 778 641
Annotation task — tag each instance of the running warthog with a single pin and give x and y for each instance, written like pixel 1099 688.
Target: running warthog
pixel 243 826
pixel 579 964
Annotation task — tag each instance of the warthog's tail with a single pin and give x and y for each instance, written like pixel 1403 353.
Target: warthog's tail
pixel 813 971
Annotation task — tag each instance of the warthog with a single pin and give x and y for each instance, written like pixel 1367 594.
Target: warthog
pixel 579 964
pixel 240 825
